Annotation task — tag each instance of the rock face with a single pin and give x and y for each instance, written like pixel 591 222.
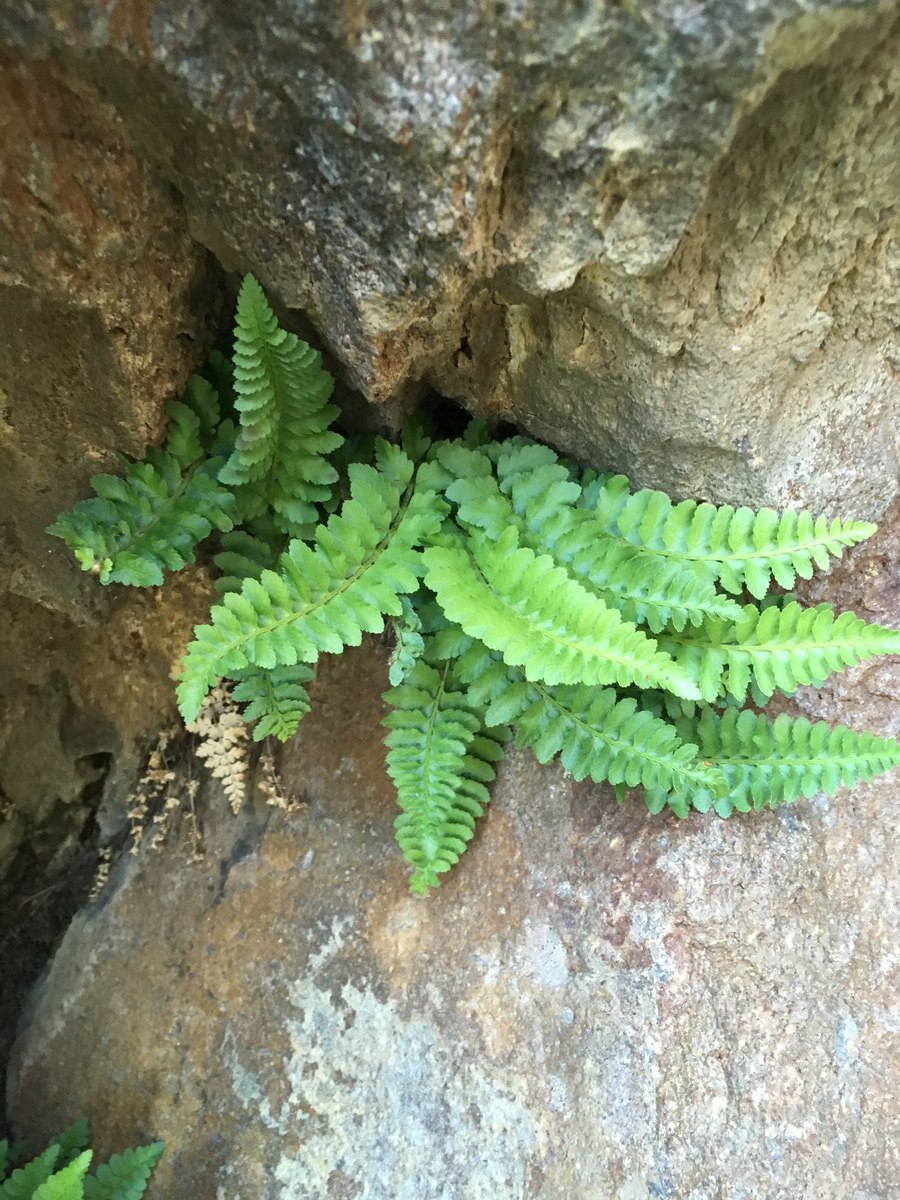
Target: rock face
pixel 661 236
pixel 596 1003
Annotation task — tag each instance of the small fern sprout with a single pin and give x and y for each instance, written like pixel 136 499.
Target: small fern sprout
pixel 608 628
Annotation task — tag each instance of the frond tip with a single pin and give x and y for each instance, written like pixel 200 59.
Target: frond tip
pixel 766 763
pixel 441 760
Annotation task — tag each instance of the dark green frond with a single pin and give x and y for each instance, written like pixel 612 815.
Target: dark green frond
pixel 125 1176
pixel 441 760
pixel 276 699
pixel 767 763
pixel 71 1142
pixel 244 556
pixel 280 460
pixel 738 547
pixel 147 522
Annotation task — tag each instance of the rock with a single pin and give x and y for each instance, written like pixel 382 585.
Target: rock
pixel 596 1003
pixel 663 238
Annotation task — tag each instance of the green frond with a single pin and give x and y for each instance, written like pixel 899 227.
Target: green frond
pixel 738 547
pixel 523 605
pixel 280 459
pixel 69 1183
pixel 539 503
pixel 125 1176
pixel 767 763
pixel 23 1182
pixel 776 649
pixel 147 522
pixel 597 734
pixel 244 556
pixel 324 597
pixel 409 643
pixel 72 1141
pixel 441 760
pixel 276 699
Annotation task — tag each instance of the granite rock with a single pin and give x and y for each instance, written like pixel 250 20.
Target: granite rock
pixel 596 1003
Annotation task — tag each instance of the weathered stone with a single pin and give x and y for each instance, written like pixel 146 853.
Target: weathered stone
pixel 596 1003
pixel 663 237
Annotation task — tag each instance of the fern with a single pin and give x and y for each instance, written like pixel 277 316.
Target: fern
pixel 737 547
pixel 322 598
pixel 60 1173
pixel 776 649
pixel 152 519
pixel 766 763
pixel 520 589
pixel 280 460
pixel 441 760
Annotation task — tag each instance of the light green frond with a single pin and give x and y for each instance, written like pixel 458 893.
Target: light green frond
pixel 596 734
pixel 322 598
pixel 67 1184
pixel 523 605
pixel 441 760
pixel 281 453
pixel 738 547
pixel 276 699
pixel 776 649
pixel 125 1176
pixel 767 763
pixel 72 1141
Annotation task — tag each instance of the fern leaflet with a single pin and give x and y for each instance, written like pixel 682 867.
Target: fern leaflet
pixel 322 598
pixel 67 1184
pixel 72 1141
pixel 441 761
pixel 767 763
pixel 736 546
pixel 280 456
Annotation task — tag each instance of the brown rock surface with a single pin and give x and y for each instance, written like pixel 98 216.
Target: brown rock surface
pixel 596 1003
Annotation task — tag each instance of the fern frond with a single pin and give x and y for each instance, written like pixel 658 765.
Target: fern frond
pixel 596 734
pixel 776 649
pixel 540 504
pixel 440 760
pixel 280 456
pixel 125 1176
pixel 323 597
pixel 738 547
pixel 409 644
pixel 767 763
pixel 67 1184
pixel 244 556
pixel 523 605
pixel 23 1182
pixel 72 1141
pixel 277 699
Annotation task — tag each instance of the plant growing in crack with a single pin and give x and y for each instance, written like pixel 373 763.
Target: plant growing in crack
pixel 613 628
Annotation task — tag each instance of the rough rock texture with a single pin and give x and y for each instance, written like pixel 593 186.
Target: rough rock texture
pixel 661 235
pixel 597 1004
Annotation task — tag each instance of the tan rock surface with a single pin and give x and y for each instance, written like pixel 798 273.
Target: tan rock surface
pixel 596 1004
